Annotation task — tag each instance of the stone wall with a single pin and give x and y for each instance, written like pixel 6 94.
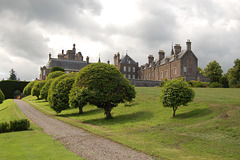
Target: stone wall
pixel 144 83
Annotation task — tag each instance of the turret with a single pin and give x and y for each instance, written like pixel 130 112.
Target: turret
pixel 177 49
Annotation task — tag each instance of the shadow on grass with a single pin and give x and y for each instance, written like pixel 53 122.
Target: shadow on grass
pixel 85 113
pixel 194 114
pixel 4 108
pixel 121 119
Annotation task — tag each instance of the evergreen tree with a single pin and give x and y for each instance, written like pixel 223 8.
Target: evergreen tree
pixel 13 75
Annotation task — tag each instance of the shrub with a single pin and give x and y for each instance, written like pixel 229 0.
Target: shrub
pixel 55 74
pixel 2 96
pixel 16 125
pixel 4 127
pixel 224 81
pixel 45 88
pixel 28 88
pixel 195 83
pixel 233 83
pixel 54 69
pixel 55 95
pixel 102 85
pixel 216 85
pixel 37 87
pixel 176 93
pixel 19 125
pixel 215 78
pixel 60 98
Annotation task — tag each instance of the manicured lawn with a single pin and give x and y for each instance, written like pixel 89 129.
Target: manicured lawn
pixel 208 128
pixel 31 144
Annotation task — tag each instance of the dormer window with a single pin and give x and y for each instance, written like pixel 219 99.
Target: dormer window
pixel 129 61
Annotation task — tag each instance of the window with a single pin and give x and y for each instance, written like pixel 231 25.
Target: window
pixel 129 69
pixel 134 69
pixel 149 75
pixel 129 76
pixel 67 72
pixel 166 74
pixel 184 69
pixel 124 69
pixel 125 76
pixel 129 61
pixel 133 77
pixel 44 72
pixel 175 70
pixel 161 74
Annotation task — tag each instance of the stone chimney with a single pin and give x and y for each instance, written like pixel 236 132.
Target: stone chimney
pixel 150 59
pixel 108 62
pixel 74 48
pixel 188 45
pixel 161 55
pixel 177 49
pixel 62 51
pixel 87 59
pixel 50 55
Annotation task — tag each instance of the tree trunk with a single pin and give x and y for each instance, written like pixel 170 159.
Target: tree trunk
pixel 108 112
pixel 80 110
pixel 174 110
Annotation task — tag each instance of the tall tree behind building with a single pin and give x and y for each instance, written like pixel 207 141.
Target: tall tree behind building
pixel 13 75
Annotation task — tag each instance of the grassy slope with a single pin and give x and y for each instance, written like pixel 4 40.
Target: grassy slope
pixel 206 129
pixel 31 144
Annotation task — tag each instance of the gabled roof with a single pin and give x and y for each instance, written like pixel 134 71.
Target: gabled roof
pixel 66 64
pixel 127 59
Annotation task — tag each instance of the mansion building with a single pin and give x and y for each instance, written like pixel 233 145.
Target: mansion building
pixel 71 62
pixel 180 64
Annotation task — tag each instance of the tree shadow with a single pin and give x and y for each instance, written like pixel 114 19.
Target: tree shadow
pixel 130 104
pixel 194 114
pixel 121 119
pixel 85 113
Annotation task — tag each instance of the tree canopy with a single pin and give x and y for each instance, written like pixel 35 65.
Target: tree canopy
pixel 102 85
pixel 27 89
pixel 176 93
pixel 37 88
pixel 56 68
pixel 213 71
pixel 55 74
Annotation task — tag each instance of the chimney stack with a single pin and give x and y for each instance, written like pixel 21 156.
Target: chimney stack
pixel 188 45
pixel 150 59
pixel 161 55
pixel 177 49
pixel 50 55
pixel 62 51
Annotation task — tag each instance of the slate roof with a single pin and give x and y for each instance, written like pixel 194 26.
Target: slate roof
pixel 66 64
pixel 127 58
pixel 167 59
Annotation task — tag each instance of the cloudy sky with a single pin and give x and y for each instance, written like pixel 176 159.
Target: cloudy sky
pixel 30 29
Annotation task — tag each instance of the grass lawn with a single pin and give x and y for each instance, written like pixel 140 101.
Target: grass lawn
pixel 208 128
pixel 31 144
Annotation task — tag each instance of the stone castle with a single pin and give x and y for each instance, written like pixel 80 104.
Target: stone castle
pixel 71 62
pixel 180 64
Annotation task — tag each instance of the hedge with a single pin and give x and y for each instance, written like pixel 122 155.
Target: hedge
pixel 2 97
pixel 16 125
pixel 8 87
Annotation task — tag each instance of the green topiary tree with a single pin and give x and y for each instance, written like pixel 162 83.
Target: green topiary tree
pixel 58 92
pixel 176 93
pixel 54 69
pixel 55 74
pixel 2 97
pixel 28 88
pixel 37 88
pixel 215 85
pixel 45 88
pixel 102 85
pixel 60 98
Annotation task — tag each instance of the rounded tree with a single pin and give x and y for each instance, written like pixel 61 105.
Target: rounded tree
pixel 28 88
pixel 2 97
pixel 176 93
pixel 102 85
pixel 54 69
pixel 45 88
pixel 37 88
pixel 58 94
pixel 55 74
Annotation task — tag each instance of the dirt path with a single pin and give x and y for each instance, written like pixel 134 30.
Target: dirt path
pixel 78 141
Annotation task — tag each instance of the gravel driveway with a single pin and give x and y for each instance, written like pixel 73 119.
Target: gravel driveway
pixel 78 141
